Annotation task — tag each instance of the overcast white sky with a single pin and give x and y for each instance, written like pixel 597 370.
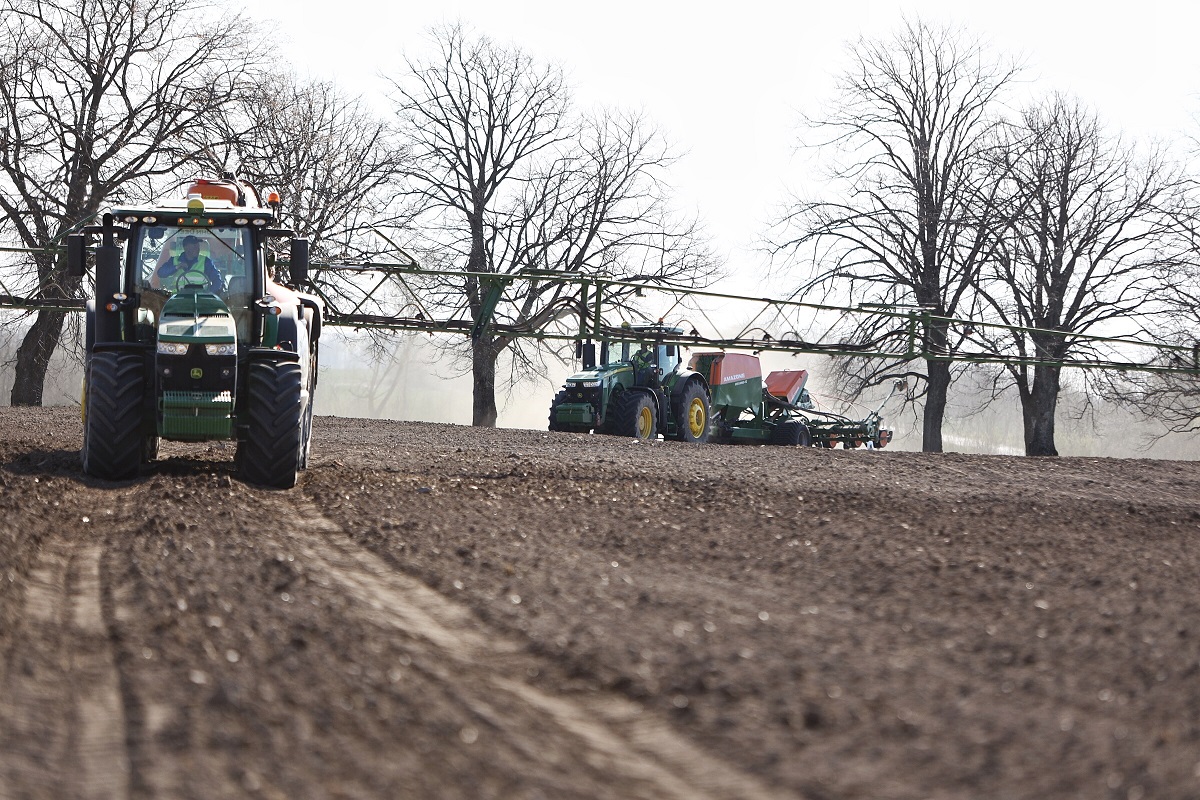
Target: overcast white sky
pixel 728 85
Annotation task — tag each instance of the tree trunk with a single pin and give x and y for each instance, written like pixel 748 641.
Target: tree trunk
pixel 33 357
pixel 1038 411
pixel 935 405
pixel 483 379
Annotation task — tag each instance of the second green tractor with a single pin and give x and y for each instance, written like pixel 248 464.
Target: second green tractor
pixel 639 387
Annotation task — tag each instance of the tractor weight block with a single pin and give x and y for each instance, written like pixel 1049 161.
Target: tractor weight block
pixel 576 414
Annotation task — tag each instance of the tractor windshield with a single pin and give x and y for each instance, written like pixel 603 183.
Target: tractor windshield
pixel 214 260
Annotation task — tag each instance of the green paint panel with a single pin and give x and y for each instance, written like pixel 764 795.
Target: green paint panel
pixel 735 381
pixel 750 434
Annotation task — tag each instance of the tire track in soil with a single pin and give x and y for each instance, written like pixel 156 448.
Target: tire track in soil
pixel 62 658
pixel 615 734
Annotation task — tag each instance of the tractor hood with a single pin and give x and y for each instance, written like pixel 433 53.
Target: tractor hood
pixel 592 378
pixel 196 317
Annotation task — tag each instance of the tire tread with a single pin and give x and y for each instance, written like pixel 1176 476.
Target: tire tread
pixel 114 443
pixel 270 454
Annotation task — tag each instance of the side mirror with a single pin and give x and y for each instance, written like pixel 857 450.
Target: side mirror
pixel 299 261
pixel 76 253
pixel 589 356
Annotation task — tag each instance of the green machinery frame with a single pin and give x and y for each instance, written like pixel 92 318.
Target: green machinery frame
pixel 387 295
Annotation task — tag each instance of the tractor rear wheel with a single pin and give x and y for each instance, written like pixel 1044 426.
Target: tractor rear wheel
pixel 113 442
pixel 632 414
pixel 272 450
pixel 791 434
pixel 691 414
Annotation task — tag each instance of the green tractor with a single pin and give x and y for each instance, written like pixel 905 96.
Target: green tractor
pixel 778 410
pixel 639 388
pixel 188 337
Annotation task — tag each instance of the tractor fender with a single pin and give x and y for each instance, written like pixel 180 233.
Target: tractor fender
pixel 272 355
pixel 303 306
pixel 288 336
pixel 687 378
pixel 294 337
pixel 314 311
pixel 89 327
pixel 654 397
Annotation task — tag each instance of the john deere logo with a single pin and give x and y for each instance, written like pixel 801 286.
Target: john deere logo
pixel 197 373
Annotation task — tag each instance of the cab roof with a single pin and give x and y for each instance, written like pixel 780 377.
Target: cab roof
pixel 659 329
pixel 177 212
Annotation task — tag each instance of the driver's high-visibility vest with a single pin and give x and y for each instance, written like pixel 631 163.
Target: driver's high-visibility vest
pixel 174 275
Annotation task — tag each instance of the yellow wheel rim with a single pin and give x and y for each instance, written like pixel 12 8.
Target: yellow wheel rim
pixel 645 423
pixel 697 419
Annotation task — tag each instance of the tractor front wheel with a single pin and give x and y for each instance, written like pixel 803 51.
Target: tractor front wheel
pixel 271 453
pixel 791 434
pixel 113 442
pixel 633 414
pixel 691 414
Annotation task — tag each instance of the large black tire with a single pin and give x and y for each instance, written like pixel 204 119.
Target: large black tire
pixel 113 441
pixel 632 414
pixel 558 399
pixel 692 413
pixel 791 434
pixel 271 453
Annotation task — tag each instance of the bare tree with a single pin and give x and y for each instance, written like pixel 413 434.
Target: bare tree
pixel 335 164
pixel 1089 245
pixel 92 94
pixel 912 227
pixel 1168 398
pixel 511 182
pixel 1168 394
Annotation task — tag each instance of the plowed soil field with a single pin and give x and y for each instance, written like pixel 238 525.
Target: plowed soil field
pixel 442 612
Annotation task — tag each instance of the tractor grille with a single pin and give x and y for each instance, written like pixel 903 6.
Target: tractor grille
pixel 197 416
pixel 578 395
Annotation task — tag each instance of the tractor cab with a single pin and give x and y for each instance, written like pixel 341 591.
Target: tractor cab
pixel 216 261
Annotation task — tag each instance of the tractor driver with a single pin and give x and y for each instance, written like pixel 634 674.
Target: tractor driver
pixel 188 268
pixel 644 366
